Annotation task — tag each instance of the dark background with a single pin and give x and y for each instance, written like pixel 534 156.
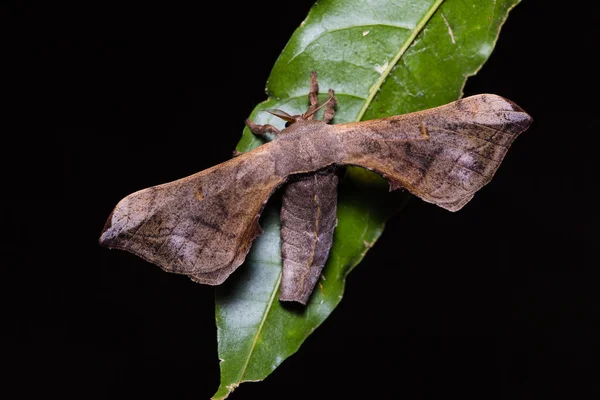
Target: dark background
pixel 105 98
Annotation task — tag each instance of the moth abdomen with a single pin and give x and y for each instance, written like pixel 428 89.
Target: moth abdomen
pixel 308 220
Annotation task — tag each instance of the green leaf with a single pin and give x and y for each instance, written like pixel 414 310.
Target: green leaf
pixel 382 58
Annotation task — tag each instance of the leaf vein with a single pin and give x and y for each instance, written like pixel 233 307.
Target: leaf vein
pixel 384 74
pixel 326 32
pixel 260 327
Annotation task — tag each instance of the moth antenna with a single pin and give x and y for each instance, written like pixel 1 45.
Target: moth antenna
pixel 281 114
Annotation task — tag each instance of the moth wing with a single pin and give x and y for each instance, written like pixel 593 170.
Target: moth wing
pixel 202 225
pixel 442 155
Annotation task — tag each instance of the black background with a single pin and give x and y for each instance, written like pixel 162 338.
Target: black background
pixel 104 98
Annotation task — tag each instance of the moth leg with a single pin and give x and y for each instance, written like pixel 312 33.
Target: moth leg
pixel 262 130
pixel 330 107
pixel 313 94
pixel 236 153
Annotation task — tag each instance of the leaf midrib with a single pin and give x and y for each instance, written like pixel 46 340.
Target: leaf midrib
pixel 418 28
pixel 260 327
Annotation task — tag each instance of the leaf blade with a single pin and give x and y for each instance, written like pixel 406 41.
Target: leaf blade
pixel 386 70
pixel 430 48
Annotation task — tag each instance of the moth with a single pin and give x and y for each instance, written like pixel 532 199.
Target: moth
pixel 203 225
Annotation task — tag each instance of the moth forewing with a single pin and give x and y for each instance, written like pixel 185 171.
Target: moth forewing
pixel 442 155
pixel 203 225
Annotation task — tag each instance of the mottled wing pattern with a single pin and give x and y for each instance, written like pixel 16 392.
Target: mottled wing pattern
pixel 442 155
pixel 202 225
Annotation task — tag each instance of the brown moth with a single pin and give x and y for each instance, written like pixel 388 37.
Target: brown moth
pixel 308 211
pixel 203 225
